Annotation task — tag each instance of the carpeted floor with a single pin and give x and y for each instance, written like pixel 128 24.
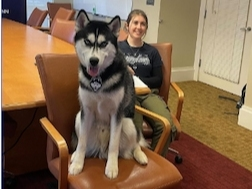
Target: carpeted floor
pixel 216 151
pixel 205 168
pixel 213 121
pixel 202 167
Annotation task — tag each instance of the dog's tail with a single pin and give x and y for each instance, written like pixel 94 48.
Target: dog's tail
pixel 74 140
pixel 143 142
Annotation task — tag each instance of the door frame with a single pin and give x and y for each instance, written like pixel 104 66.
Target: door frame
pixel 246 52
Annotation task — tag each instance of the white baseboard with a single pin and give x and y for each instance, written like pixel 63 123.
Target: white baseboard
pixel 244 118
pixel 182 74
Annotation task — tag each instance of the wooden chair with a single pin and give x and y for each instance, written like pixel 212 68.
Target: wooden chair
pixel 122 35
pixel 37 17
pixel 63 14
pixel 59 77
pixel 165 51
pixel 54 7
pixel 64 30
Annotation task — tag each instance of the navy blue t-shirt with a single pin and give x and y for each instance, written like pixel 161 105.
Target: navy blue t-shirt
pixel 145 61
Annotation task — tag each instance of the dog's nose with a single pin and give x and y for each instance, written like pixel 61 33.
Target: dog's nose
pixel 94 61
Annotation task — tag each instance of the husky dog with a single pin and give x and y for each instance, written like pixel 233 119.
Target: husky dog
pixel 104 126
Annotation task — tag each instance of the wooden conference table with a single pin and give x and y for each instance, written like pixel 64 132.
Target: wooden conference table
pixel 22 95
pixel 21 86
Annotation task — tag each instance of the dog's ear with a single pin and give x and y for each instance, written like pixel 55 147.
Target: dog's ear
pixel 115 25
pixel 81 20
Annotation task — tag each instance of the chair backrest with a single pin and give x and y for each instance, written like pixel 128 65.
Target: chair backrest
pixel 63 14
pixel 165 51
pixel 59 78
pixel 122 35
pixel 54 7
pixel 64 29
pixel 37 17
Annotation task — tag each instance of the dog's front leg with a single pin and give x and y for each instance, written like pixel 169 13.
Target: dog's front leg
pixel 77 159
pixel 111 169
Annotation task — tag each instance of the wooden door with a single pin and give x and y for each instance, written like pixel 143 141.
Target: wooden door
pixel 226 39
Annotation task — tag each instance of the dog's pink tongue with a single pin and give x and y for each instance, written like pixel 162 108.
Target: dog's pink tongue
pixel 93 71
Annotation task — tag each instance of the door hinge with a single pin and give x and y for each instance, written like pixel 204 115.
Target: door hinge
pixel 199 63
pixel 205 14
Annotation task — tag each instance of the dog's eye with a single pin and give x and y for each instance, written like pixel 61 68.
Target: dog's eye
pixel 87 42
pixel 103 44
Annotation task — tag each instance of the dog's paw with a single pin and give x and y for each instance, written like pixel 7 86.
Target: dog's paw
pixel 75 168
pixel 76 165
pixel 142 159
pixel 140 156
pixel 111 171
pixel 72 157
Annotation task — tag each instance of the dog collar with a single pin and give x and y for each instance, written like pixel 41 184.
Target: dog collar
pixel 96 83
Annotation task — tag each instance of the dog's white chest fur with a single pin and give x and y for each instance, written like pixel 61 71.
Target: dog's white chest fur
pixel 102 105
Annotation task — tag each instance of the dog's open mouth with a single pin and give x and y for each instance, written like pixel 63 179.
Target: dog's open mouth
pixel 93 71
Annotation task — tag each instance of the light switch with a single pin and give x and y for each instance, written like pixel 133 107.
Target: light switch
pixel 150 2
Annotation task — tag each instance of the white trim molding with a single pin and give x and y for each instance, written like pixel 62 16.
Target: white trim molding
pixel 245 117
pixel 197 55
pixel 182 74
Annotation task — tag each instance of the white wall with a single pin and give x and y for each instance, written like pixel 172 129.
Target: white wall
pixel 152 12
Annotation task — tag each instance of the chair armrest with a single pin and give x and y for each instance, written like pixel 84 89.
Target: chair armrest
pixel 63 151
pixel 180 100
pixel 165 123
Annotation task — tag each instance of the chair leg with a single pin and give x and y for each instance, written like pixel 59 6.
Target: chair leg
pixel 178 158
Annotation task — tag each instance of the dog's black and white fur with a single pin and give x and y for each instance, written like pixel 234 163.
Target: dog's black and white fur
pixel 104 126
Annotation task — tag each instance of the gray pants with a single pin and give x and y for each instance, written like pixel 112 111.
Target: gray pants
pixel 156 104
